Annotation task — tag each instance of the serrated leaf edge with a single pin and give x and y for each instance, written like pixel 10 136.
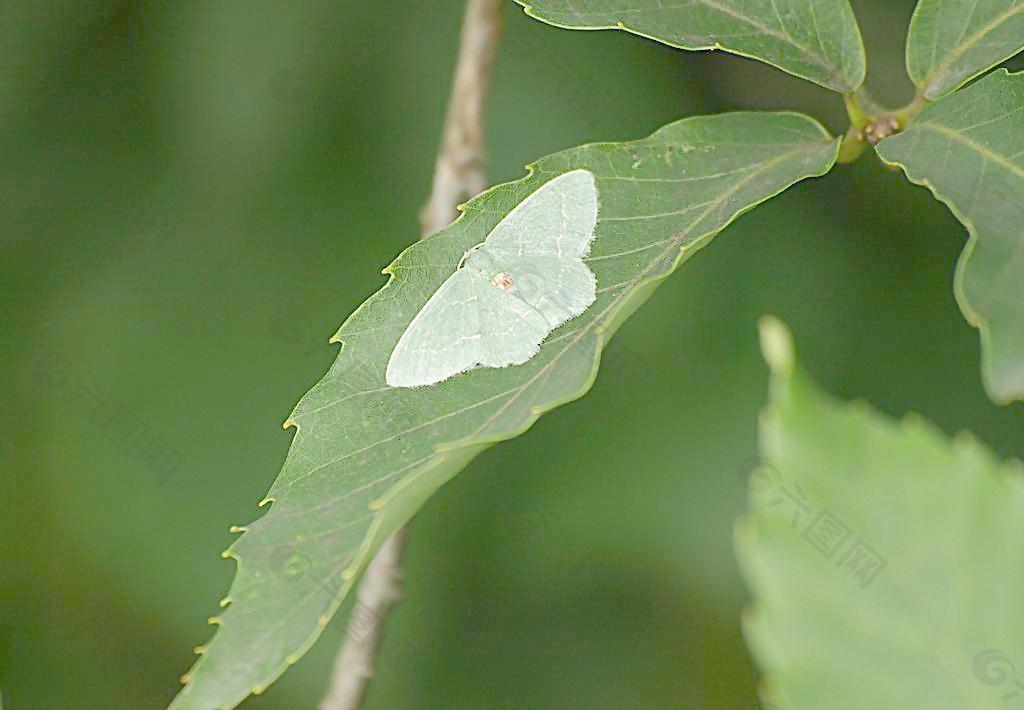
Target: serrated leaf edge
pixel 973 318
pixel 642 287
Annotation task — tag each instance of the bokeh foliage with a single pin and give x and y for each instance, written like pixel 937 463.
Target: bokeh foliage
pixel 870 543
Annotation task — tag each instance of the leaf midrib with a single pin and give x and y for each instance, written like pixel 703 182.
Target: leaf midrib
pixel 574 337
pixel 579 334
pixel 980 148
pixel 632 283
pixel 960 49
pixel 817 58
pixel 517 391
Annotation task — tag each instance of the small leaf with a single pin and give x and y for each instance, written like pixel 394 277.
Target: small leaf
pixel 884 559
pixel 953 41
pixel 366 456
pixel 968 149
pixel 818 40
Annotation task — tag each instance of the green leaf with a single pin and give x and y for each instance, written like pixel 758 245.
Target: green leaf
pixel 968 149
pixel 818 40
pixel 884 558
pixel 953 41
pixel 365 456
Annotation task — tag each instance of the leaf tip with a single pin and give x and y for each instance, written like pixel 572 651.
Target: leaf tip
pixel 743 528
pixel 750 615
pixel 258 689
pixel 268 499
pixel 912 421
pixel 185 679
pixel 199 651
pixel 777 345
pixel 237 529
pixel 214 621
pixel 289 422
pixel 862 407
pixel 964 441
pixel 224 602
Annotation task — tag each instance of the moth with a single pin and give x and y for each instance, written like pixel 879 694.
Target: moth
pixel 510 291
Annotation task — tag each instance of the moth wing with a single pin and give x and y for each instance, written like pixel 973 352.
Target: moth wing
pixel 444 338
pixel 511 329
pixel 560 289
pixel 557 219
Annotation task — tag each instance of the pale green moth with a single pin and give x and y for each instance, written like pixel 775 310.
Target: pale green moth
pixel 508 292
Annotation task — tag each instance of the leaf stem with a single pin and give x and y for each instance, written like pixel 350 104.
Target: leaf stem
pixel 858 115
pixel 907 114
pixel 852 147
pixel 458 175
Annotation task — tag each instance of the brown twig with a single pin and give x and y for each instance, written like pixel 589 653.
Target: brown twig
pixel 459 171
pixel 458 175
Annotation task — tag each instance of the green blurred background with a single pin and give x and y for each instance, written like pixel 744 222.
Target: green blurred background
pixel 196 194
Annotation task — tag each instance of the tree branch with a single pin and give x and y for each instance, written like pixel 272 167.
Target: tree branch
pixel 459 171
pixel 458 175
